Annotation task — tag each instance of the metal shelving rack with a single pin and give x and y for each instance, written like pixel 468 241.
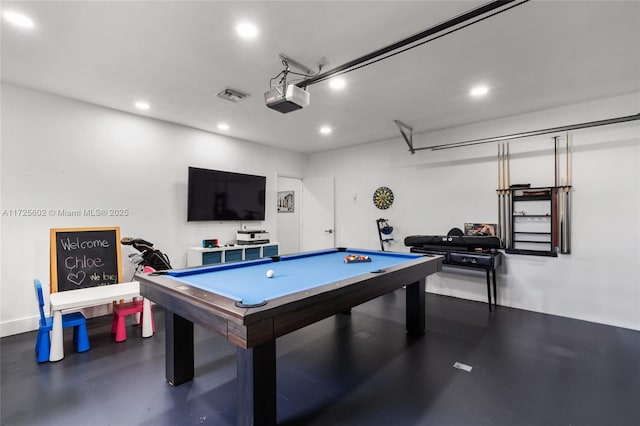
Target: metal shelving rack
pixel 538 221
pixel 532 222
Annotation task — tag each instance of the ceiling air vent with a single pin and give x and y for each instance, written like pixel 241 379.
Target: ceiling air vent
pixel 232 95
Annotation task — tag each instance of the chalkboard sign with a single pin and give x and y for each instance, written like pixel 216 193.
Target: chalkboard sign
pixel 84 257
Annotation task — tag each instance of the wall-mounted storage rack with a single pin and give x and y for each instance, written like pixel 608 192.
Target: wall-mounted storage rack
pixel 532 220
pixel 537 220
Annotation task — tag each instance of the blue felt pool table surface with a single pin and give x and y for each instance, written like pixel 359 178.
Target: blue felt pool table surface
pixel 247 282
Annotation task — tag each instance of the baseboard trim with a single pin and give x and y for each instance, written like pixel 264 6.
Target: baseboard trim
pixel 19 326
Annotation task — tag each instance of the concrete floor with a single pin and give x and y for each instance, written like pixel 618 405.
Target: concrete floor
pixel 358 369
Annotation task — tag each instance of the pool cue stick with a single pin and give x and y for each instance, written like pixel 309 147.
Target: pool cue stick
pixel 509 204
pixel 566 169
pixel 504 201
pixel 554 196
pixel 567 200
pixel 561 219
pixel 499 193
pixel 562 214
pixel 555 161
pixel 563 224
pixel 502 230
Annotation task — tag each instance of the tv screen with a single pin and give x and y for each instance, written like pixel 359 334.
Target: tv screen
pixel 218 195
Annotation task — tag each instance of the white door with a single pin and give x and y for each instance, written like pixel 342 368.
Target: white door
pixel 317 214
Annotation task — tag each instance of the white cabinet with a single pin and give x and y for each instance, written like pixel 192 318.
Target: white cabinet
pixel 199 256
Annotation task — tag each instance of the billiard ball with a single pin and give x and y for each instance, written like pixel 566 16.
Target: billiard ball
pixel 270 273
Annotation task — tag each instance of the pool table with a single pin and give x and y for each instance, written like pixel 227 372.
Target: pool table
pixel 239 301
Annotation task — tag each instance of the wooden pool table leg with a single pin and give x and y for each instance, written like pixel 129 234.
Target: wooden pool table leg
pixel 415 307
pixel 179 349
pixel 256 372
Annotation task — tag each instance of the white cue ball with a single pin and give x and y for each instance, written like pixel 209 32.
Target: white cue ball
pixel 270 273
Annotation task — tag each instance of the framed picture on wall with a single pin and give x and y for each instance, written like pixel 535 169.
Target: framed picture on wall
pixel 285 201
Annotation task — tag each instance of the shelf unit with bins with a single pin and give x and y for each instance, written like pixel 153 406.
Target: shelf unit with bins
pixel 199 256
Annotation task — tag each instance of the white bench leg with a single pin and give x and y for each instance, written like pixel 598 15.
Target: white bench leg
pixel 57 348
pixel 147 327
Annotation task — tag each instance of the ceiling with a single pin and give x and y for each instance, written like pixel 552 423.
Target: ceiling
pixel 178 54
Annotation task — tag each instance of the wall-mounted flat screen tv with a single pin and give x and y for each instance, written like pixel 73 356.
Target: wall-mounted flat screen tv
pixel 218 195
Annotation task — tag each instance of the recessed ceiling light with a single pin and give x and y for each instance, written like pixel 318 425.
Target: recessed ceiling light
pixel 479 91
pixel 18 19
pixel 223 126
pixel 247 30
pixel 143 105
pixel 325 130
pixel 337 83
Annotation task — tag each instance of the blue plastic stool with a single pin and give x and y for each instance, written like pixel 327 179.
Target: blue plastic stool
pixel 74 319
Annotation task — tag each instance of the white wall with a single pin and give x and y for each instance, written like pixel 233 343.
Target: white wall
pixel 58 153
pixel 289 223
pixel 438 190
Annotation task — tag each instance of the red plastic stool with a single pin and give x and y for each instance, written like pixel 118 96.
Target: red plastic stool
pixel 120 311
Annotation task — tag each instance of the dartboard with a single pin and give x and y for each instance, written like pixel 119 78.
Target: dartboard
pixel 383 198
